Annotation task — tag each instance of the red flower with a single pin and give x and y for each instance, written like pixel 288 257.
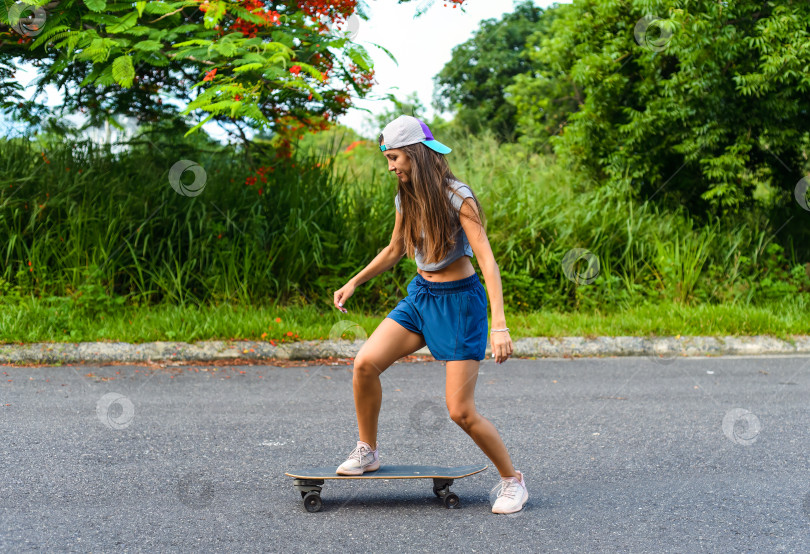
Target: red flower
pixel 353 145
pixel 295 69
pixel 210 75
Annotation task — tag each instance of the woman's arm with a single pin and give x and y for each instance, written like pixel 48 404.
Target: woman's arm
pixel 384 261
pixel 477 237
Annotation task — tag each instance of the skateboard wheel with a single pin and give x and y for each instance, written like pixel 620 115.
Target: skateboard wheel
pixel 451 500
pixel 312 501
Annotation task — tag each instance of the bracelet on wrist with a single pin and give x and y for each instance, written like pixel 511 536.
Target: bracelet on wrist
pixel 494 330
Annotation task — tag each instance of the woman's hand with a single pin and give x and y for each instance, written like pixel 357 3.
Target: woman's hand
pixel 501 346
pixel 343 294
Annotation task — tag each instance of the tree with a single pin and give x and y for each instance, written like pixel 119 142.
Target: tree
pixel 264 64
pixel 542 97
pixel 701 100
pixel 473 81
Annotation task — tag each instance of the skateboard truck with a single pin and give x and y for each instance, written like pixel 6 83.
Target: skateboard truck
pixel 310 490
pixel 441 488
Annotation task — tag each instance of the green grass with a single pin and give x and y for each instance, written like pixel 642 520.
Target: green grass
pixel 31 321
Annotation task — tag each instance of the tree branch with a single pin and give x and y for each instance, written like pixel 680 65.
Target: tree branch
pixel 168 14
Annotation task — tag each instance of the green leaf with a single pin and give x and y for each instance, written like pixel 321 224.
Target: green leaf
pixel 185 28
pixel 96 5
pixel 124 23
pixel 214 15
pixel 148 45
pixel 123 71
pixel 156 59
pixel 248 67
pixel 69 43
pixel 360 57
pixel 92 76
pixel 105 78
pixel 225 47
pixel 196 41
pixel 140 6
pixel 198 125
pixel 50 34
pixel 139 30
pixel 158 8
pixel 98 50
pixel 384 49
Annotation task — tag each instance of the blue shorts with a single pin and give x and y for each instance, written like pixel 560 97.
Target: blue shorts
pixel 451 315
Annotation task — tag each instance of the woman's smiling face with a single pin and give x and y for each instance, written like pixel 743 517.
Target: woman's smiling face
pixel 399 163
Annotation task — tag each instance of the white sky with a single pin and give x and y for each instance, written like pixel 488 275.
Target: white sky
pixel 422 47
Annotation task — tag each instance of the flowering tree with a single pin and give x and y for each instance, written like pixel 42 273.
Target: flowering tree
pixel 260 63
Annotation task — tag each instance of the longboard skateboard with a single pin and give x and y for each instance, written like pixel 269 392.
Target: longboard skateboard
pixel 309 481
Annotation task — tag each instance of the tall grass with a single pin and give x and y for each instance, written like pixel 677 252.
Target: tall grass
pixel 95 230
pixel 77 217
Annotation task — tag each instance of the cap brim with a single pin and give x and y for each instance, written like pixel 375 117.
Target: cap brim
pixel 437 146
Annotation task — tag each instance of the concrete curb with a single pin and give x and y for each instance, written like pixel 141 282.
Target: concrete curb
pixel 664 348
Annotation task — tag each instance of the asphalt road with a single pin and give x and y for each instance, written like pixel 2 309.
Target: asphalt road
pixel 619 454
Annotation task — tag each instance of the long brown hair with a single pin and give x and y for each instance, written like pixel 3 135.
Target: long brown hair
pixel 425 204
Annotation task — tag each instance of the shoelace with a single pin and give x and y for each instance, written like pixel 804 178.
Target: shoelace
pixel 509 487
pixel 357 453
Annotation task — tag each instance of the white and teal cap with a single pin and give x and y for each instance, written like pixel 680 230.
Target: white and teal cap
pixel 406 130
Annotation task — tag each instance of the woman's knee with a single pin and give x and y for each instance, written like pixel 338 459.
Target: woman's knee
pixel 365 367
pixel 463 415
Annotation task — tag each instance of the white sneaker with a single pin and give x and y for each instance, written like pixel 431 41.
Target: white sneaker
pixel 362 459
pixel 512 495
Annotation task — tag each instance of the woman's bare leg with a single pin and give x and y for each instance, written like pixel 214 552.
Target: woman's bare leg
pixel 459 391
pixel 389 342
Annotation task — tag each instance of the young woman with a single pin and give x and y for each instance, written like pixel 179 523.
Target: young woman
pixel 446 306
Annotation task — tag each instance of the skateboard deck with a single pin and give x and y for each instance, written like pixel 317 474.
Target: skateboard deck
pixel 309 481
